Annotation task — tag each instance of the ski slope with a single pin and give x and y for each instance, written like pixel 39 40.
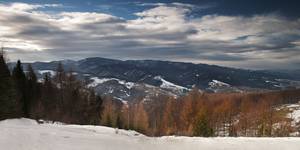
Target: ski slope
pixel 26 134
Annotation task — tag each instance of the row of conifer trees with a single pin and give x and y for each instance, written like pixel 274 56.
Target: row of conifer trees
pixel 58 98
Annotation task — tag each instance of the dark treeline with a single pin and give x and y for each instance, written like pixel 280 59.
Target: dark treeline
pixel 64 98
pixel 58 98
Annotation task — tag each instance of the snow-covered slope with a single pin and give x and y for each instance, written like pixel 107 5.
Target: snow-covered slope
pixel 169 85
pixel 25 134
pixel 219 86
pixel 215 83
pixel 97 81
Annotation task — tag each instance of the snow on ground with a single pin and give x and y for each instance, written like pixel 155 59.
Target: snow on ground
pixel 26 134
pixel 215 83
pixel 169 85
pixel 294 113
pixel 97 81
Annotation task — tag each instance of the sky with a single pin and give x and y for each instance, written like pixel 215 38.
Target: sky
pixel 252 34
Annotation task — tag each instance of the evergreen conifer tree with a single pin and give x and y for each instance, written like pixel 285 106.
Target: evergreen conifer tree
pixel 32 89
pixel 201 127
pixel 7 92
pixel 20 84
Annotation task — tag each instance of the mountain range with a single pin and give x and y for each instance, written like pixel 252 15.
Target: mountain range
pixel 130 79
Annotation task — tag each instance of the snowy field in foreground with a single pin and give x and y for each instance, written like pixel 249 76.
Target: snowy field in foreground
pixel 25 134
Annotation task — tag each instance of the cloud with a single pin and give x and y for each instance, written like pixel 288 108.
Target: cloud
pixel 176 4
pixel 149 4
pixel 19 7
pixel 164 31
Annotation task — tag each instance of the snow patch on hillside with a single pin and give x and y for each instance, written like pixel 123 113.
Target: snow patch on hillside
pixel 26 134
pixel 216 83
pixel 169 85
pixel 97 81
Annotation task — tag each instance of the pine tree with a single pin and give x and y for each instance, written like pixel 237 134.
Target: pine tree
pixel 20 83
pixel 7 92
pixel 32 89
pixel 94 108
pixel 60 74
pixel 31 76
pixel 59 79
pixel 201 127
pixel 48 97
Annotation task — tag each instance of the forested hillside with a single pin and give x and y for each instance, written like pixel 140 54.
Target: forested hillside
pixel 204 114
pixel 64 98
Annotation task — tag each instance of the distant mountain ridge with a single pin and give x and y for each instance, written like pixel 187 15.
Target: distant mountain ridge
pixel 168 77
